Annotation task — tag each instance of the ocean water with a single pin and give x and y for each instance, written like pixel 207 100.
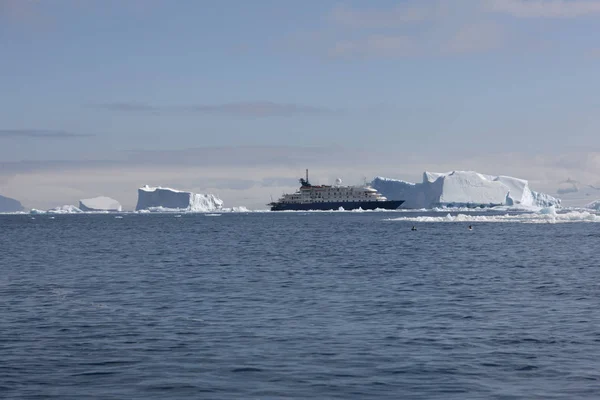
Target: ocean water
pixel 297 306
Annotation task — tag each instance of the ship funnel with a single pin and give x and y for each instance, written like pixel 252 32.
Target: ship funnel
pixel 307 175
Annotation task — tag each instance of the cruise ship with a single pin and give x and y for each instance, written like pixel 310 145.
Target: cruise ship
pixel 323 197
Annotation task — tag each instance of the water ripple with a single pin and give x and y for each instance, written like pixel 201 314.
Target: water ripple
pixel 328 306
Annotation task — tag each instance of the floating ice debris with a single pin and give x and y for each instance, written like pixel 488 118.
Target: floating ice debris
pixel 67 209
pixel 240 209
pixel 540 217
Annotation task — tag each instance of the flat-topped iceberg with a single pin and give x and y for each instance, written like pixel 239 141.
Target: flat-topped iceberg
pixel 8 205
pixel 463 189
pixel 101 203
pixel 159 199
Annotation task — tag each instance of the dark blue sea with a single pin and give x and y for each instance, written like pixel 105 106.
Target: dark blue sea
pixel 297 306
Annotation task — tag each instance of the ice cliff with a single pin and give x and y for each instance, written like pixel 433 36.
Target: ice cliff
pixel 462 188
pixel 9 205
pixel 165 199
pixel 101 203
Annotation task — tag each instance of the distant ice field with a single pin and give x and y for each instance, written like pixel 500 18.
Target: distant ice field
pixel 504 214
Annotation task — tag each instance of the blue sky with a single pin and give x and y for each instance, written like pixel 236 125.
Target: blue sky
pixel 100 97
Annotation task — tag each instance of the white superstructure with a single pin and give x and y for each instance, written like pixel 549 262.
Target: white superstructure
pixel 336 197
pixel 331 194
pixel 326 194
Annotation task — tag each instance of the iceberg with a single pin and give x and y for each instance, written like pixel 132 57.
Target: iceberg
pixel 463 189
pixel 101 203
pixel 67 209
pixel 159 199
pixel 8 205
pixel 594 205
pixel 239 209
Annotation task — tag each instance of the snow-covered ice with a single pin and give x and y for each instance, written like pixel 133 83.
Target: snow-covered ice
pixel 101 203
pixel 462 189
pixel 67 209
pixel 158 199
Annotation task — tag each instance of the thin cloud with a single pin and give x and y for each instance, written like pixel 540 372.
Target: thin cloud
pixel 545 8
pixel 298 157
pixel 374 46
pixel 261 109
pixel 411 28
pixel 475 38
pixel 572 189
pixel 405 13
pixel 127 107
pixel 39 134
pixel 241 109
pixel 569 186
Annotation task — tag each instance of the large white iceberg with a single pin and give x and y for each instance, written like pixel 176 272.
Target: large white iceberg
pixel 462 189
pixel 166 199
pixel 101 203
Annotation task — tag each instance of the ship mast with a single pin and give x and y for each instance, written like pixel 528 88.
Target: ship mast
pixel 304 182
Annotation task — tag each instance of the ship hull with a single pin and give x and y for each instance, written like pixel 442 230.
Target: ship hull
pixel 335 205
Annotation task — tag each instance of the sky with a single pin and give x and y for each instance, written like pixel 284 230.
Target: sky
pixel 237 98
